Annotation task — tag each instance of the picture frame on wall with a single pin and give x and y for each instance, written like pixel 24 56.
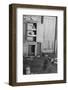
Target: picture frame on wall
pixel 37 44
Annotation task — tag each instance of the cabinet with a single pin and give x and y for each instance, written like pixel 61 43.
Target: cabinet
pixel 31 46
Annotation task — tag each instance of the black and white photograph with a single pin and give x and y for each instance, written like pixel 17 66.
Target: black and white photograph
pixel 39 44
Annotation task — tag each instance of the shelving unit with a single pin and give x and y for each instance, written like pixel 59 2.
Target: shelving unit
pixel 31 46
pixel 31 31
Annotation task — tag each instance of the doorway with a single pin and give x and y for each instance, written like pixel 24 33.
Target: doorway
pixel 31 50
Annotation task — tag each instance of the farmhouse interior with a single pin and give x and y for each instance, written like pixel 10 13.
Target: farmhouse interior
pixel 39 44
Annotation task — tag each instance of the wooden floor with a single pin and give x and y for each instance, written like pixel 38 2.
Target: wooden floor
pixel 39 65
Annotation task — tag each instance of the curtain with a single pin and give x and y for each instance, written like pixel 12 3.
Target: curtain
pixel 48 44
